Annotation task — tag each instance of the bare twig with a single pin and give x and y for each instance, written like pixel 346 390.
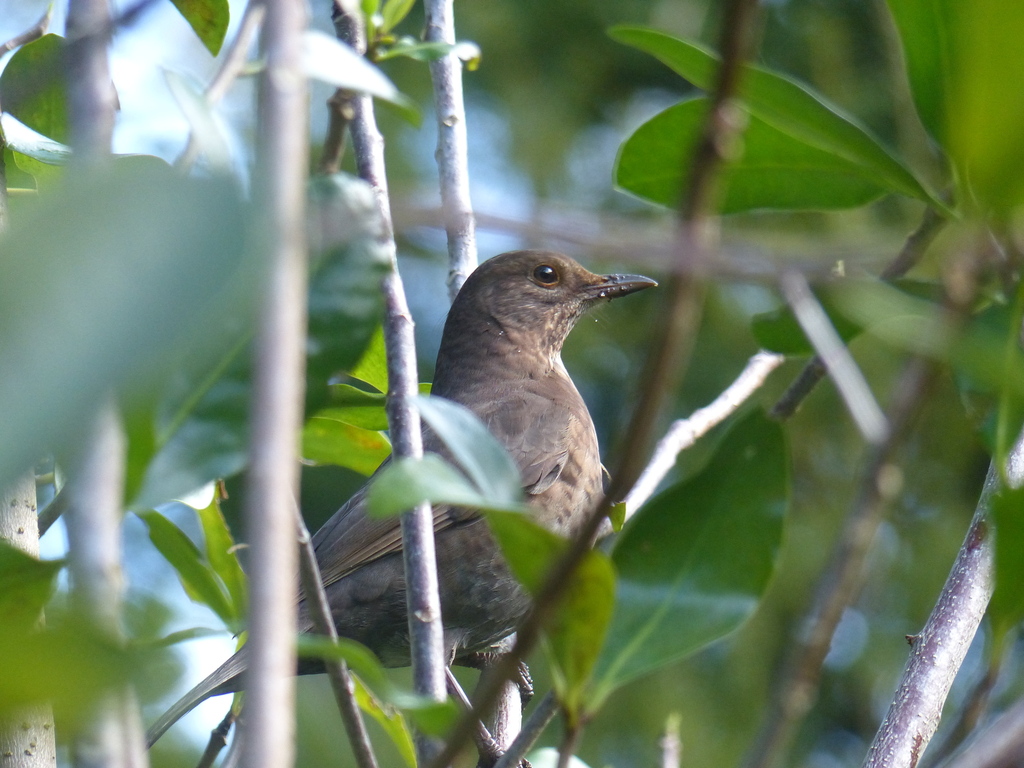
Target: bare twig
pixel 217 741
pixel 671 746
pixel 337 670
pixel 683 433
pixel 685 293
pixel 34 32
pixel 424 604
pixel 814 371
pixel 940 649
pixel 91 98
pixel 230 67
pixel 452 153
pixel 267 723
pixel 836 358
pixel 339 114
pixel 51 512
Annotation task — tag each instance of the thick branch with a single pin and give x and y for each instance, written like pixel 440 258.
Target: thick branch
pixel 424 604
pixel 940 649
pixel 267 724
pixel 452 152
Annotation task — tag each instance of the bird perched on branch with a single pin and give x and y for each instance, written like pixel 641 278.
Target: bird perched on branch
pixel 500 357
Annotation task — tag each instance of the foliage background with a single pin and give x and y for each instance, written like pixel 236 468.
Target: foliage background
pixel 551 102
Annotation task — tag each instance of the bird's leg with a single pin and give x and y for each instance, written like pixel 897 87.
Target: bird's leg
pixel 485 743
pixel 485 659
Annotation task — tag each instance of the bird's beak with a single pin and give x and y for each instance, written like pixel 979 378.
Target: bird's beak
pixel 613 286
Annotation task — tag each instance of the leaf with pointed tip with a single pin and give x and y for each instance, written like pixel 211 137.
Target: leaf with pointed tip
pixel 326 439
pixel 209 20
pixel 786 105
pixel 679 587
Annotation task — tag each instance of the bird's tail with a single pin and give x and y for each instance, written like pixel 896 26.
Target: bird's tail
pixel 225 679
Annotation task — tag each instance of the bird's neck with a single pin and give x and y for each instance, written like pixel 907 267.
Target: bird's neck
pixel 500 354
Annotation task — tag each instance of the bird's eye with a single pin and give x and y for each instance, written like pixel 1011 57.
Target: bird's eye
pixel 545 274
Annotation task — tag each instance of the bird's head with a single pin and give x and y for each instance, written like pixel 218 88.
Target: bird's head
pixel 533 298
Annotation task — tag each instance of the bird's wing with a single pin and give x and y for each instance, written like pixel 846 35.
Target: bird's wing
pixel 534 427
pixel 351 538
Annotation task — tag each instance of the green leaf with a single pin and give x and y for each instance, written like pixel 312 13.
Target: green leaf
pixel 358 657
pixel 222 555
pixel 326 439
pixel 196 575
pixel 101 285
pixel 575 632
pixel 373 365
pixel 26 584
pixel 787 106
pixel 679 586
pixel 774 171
pixel 389 719
pixel 474 448
pixel 358 407
pixel 930 54
pixel 209 20
pixel 393 12
pixel 33 87
pixel 1006 608
pixel 404 483
pixel 329 60
pixel 33 148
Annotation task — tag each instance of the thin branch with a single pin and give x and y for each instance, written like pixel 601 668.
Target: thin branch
pixel 230 67
pixel 112 735
pixel 452 146
pixel 683 433
pixel 912 252
pixel 671 349
pixel 51 512
pixel 535 724
pixel 671 746
pixel 836 357
pixel 940 649
pixel 217 741
pixel 797 687
pixel 267 722
pixel 337 670
pixel 340 112
pixel 424 604
pixel 91 98
pixel 1000 745
pixel 34 32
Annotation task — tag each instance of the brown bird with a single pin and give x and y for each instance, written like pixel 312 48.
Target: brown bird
pixel 500 357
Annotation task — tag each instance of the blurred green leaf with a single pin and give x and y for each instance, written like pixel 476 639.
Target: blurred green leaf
pixel 411 48
pixel 358 657
pixel 68 665
pixel 345 301
pixel 389 719
pixel 575 632
pixel 223 557
pixel 197 576
pixel 404 483
pixel 209 20
pixel 930 55
pixel 1006 608
pixel 33 87
pixel 774 171
pixel 331 61
pixel 26 584
pixel 964 66
pixel 473 447
pixel 679 586
pixel 181 636
pixel 100 285
pixel 787 106
pixel 33 152
pixel 326 439
pixel 393 12
pixel 617 516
